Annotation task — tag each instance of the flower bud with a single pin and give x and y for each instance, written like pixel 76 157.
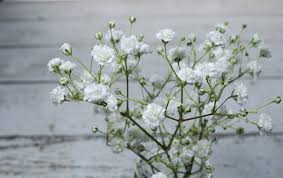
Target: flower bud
pixel 240 130
pixel 94 129
pixel 233 61
pixel 244 112
pixel 111 24
pixel 277 100
pixel 66 49
pixel 132 19
pixel 118 91
pixel 98 36
pixel 202 91
pixel 140 37
pixel 234 38
pixel 64 81
pixel 192 37
pixel 188 110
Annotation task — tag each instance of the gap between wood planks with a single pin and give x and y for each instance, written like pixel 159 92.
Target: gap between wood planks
pixel 42 141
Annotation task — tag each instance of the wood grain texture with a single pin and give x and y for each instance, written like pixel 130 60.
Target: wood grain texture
pixel 250 157
pixel 39 140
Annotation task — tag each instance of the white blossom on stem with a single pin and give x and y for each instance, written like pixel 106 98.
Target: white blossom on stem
pixel 153 115
pixel 165 35
pixel 102 54
pixel 131 45
pixel 188 75
pixel 58 94
pixel 96 92
pixel 66 49
pixel 67 66
pixel 54 64
pixel 216 37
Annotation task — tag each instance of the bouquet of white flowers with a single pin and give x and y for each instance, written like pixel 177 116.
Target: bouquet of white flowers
pixel 171 125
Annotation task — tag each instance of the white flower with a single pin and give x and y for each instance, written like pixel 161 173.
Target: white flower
pixel 264 124
pixel 111 103
pixel 102 54
pixel 96 92
pixel 177 54
pixel 58 94
pixel 159 175
pixel 216 37
pixel 202 148
pixel 206 69
pixel 131 45
pixel 66 49
pixel 67 66
pixel 116 34
pixel 188 75
pixel 173 106
pixel 144 48
pixel 242 93
pixel 165 35
pixel 54 64
pixel 153 115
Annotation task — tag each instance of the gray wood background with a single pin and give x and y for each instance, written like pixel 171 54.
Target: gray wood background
pixel 40 140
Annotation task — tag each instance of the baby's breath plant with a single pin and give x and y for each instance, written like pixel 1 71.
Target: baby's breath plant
pixel 171 125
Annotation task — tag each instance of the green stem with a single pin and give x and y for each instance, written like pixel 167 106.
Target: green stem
pixel 169 63
pixel 82 64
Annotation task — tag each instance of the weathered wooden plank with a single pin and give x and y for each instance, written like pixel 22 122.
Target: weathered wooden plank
pixel 48 33
pixel 82 9
pixel 27 109
pixel 233 158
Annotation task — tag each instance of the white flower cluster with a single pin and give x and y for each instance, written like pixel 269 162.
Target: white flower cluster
pixel 131 45
pixel 102 54
pixel 153 115
pixel 97 93
pixel 58 95
pixel 165 35
pixel 192 96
